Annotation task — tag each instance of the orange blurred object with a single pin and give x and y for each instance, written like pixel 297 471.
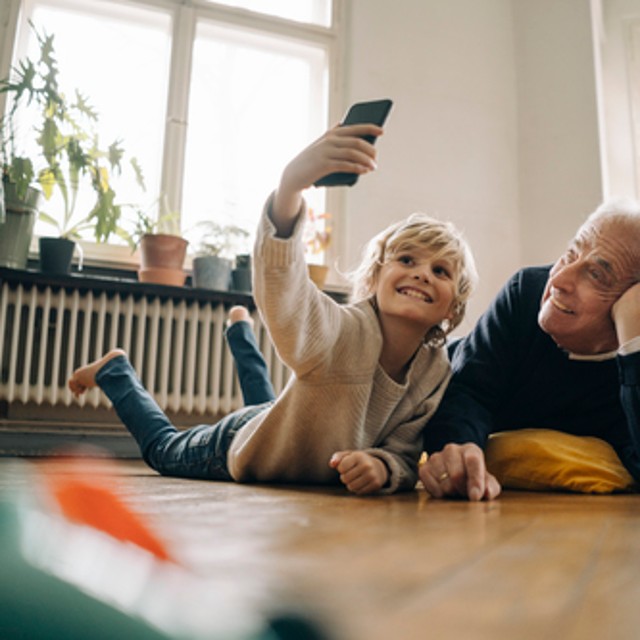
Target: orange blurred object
pixel 84 498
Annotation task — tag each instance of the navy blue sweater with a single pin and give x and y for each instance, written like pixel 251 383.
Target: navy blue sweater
pixel 508 374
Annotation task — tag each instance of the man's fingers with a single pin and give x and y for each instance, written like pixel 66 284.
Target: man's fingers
pixel 459 470
pixel 492 487
pixel 454 467
pixel 433 474
pixel 475 475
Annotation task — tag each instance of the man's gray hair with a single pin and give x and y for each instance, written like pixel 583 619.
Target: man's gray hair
pixel 626 208
pixel 627 211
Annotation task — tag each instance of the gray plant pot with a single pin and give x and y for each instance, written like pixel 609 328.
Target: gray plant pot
pixel 17 227
pixel 211 272
pixel 56 255
pixel 241 280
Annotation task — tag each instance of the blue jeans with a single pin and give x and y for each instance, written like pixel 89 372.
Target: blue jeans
pixel 253 374
pixel 199 452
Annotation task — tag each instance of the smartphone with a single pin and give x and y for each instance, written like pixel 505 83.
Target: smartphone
pixel 374 112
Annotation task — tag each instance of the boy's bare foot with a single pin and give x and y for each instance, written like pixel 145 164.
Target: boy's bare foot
pixel 84 378
pixel 239 314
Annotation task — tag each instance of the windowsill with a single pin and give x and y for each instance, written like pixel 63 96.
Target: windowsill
pixel 118 262
pixel 112 277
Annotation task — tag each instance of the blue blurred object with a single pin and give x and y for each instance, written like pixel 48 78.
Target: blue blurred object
pixel 35 604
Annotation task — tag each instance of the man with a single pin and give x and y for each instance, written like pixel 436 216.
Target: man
pixel 559 348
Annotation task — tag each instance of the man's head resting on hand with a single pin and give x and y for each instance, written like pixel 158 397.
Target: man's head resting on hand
pixel 601 263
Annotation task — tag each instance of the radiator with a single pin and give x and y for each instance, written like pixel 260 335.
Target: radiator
pixel 177 347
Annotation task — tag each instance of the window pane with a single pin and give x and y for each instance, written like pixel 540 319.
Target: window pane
pixel 118 56
pixel 255 101
pixel 311 11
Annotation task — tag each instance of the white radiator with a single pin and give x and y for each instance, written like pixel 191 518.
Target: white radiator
pixel 177 347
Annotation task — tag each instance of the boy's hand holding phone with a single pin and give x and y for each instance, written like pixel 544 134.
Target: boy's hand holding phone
pixel 337 158
pixel 341 149
pixel 373 112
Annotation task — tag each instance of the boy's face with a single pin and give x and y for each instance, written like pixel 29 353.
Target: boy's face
pixel 417 286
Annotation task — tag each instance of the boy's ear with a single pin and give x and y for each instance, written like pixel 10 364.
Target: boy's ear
pixel 454 310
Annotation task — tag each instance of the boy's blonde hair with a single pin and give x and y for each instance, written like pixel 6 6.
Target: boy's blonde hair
pixel 419 231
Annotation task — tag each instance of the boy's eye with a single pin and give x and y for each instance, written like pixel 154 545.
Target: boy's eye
pixel 405 259
pixel 440 270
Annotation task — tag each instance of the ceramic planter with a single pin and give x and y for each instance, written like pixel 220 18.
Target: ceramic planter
pixel 241 275
pixel 16 229
pixel 211 272
pixel 56 254
pixel 162 259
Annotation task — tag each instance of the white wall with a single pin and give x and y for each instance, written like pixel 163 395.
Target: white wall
pixel 494 124
pixel 559 174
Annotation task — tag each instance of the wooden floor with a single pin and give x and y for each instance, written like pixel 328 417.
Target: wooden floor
pixel 529 565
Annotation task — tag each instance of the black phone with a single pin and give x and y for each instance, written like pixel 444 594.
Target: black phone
pixel 374 112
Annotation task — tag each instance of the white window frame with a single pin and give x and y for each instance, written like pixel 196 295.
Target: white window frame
pixel 185 14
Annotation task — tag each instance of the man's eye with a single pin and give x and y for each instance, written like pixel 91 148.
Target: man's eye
pixel 595 274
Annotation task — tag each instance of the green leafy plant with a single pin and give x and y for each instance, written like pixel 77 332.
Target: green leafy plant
pixel 157 218
pixel 217 239
pixel 69 151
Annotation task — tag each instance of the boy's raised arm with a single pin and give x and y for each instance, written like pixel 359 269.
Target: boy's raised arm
pixel 339 149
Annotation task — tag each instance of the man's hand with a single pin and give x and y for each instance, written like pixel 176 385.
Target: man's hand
pixel 360 472
pixel 626 314
pixel 459 470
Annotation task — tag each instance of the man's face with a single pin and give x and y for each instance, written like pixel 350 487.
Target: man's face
pixel 584 283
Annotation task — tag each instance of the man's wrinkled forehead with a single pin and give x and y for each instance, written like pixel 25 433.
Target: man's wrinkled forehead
pixel 614 243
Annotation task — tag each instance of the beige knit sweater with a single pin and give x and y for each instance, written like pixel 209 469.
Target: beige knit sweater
pixel 338 396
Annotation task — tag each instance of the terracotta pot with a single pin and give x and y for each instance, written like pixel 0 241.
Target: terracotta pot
pixel 156 275
pixel 162 258
pixel 161 250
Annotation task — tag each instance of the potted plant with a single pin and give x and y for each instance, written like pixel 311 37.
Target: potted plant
pixel 317 237
pixel 162 248
pixel 20 197
pixel 68 153
pixel 212 264
pixel 16 224
pixel 241 274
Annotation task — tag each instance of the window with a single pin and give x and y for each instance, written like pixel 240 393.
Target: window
pixel 210 97
pixel 617 40
pixel 241 133
pixel 312 11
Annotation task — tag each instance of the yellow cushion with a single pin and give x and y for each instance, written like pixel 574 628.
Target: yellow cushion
pixel 543 459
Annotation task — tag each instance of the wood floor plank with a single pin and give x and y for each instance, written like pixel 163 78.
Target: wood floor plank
pixel 527 566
